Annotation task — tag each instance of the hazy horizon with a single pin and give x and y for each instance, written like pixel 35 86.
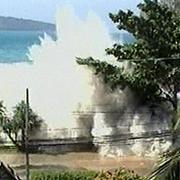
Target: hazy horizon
pixel 45 11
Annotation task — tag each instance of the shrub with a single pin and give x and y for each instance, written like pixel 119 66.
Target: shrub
pixel 64 175
pixel 118 174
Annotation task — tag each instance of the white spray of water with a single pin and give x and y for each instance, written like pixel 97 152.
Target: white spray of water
pixel 58 85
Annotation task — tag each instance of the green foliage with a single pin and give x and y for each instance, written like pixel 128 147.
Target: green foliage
pixel 119 174
pixel 157 32
pixel 154 61
pixel 18 120
pixel 112 75
pixel 168 168
pixel 15 125
pixel 19 114
pixel 64 175
pixel 2 114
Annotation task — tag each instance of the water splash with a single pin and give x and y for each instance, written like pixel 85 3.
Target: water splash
pixel 58 85
pixel 62 92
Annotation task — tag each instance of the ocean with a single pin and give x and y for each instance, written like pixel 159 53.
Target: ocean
pixel 14 45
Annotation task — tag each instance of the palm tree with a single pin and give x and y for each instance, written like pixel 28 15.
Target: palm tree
pixel 169 167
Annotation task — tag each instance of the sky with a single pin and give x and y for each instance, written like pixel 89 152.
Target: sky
pixel 45 10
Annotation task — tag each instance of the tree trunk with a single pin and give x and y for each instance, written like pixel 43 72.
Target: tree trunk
pixel 175 115
pixel 23 138
pixel 19 147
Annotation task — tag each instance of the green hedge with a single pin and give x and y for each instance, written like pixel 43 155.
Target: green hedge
pixel 119 174
pixel 64 175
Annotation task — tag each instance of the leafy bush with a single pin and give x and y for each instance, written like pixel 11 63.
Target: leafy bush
pixel 118 174
pixel 64 175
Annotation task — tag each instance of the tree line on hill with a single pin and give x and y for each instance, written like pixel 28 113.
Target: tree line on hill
pixel 16 24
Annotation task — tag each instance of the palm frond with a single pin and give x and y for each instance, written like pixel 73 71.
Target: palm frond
pixel 168 168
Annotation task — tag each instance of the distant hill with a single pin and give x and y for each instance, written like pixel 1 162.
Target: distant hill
pixel 123 37
pixel 16 24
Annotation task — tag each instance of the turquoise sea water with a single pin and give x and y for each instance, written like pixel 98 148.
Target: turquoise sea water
pixel 14 45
